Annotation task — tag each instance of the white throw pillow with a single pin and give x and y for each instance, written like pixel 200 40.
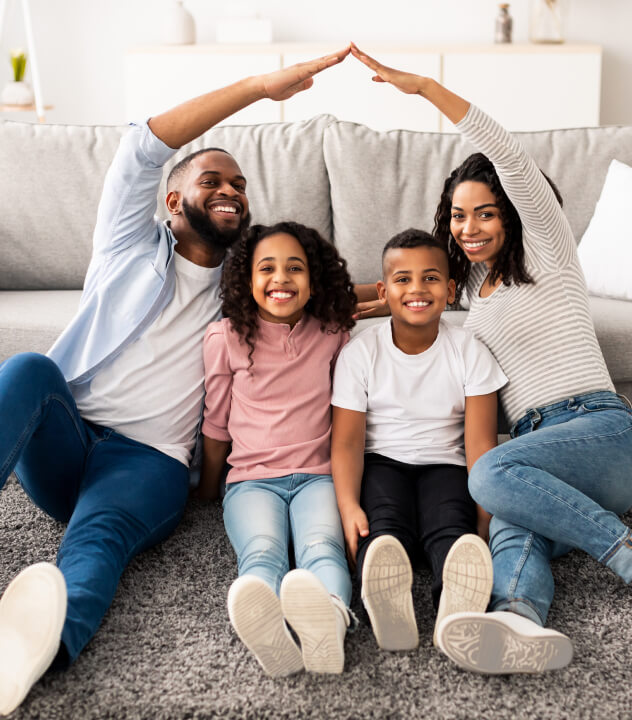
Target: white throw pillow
pixel 605 252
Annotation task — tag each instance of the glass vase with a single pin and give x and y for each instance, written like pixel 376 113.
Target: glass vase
pixel 546 21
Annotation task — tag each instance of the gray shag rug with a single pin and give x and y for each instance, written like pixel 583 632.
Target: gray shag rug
pixel 166 649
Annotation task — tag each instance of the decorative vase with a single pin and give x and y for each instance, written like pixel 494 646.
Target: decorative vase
pixel 17 93
pixel 504 24
pixel 546 22
pixel 179 24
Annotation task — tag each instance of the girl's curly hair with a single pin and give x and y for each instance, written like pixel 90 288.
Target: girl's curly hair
pixel 332 300
pixel 509 264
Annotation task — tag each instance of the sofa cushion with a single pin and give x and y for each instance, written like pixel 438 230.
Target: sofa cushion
pixel 385 182
pixel 51 194
pixel 30 321
pixel 50 199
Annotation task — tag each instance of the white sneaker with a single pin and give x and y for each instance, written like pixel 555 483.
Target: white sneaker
pixel 32 615
pixel 387 579
pixel 255 613
pixel 467 579
pixel 319 619
pixel 502 642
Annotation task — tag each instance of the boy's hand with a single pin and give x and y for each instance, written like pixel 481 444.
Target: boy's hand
pixel 354 524
pixel 282 84
pixel 482 523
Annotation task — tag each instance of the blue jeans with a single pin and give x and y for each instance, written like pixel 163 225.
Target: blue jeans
pixel 560 483
pixel 262 515
pixel 118 496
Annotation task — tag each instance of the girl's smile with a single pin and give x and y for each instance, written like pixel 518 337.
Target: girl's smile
pixel 280 278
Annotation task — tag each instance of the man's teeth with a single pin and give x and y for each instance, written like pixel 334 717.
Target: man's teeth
pixel 480 243
pixel 417 303
pixel 280 295
pixel 224 208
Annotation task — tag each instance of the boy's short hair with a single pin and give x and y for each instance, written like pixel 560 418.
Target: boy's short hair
pixel 413 238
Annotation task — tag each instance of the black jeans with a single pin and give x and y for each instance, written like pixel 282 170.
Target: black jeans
pixel 426 507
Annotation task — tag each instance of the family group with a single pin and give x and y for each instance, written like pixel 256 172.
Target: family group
pixel 338 455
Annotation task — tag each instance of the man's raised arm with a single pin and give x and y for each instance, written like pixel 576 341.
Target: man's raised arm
pixel 185 122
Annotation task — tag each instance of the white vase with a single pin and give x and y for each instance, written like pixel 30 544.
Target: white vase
pixel 17 93
pixel 179 24
pixel 546 21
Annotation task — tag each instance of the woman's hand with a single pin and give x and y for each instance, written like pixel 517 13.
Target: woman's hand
pixel 354 524
pixel 371 308
pixel 282 84
pixel 452 106
pixel 404 81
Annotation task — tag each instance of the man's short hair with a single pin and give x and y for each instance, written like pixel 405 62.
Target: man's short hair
pixel 178 170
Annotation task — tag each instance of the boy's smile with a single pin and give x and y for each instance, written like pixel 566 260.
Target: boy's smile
pixel 417 288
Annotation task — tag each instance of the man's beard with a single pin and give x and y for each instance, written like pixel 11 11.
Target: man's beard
pixel 208 232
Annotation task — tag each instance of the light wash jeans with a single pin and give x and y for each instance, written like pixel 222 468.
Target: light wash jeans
pixel 261 516
pixel 117 495
pixel 559 484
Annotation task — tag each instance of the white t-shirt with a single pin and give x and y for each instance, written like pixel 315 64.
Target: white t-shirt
pixel 414 404
pixel 153 392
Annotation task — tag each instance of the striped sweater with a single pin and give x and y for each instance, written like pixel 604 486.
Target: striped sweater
pixel 541 334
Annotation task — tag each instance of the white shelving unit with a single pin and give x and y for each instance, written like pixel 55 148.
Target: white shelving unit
pixel 526 87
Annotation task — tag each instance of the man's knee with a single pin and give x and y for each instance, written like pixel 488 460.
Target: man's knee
pixel 29 365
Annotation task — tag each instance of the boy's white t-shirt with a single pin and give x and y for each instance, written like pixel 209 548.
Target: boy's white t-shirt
pixel 414 404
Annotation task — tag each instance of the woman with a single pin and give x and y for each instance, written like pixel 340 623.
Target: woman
pixel 562 480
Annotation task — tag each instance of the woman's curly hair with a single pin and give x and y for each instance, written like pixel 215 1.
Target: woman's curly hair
pixel 509 265
pixel 332 300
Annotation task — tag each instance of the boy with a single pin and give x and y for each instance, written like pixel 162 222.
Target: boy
pixel 414 404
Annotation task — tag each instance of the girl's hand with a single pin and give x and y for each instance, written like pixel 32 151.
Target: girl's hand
pixel 406 82
pixel 371 308
pixel 282 84
pixel 354 524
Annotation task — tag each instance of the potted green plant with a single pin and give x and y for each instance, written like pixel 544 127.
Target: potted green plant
pixel 17 92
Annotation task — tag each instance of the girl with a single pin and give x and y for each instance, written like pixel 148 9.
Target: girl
pixel 562 480
pixel 287 306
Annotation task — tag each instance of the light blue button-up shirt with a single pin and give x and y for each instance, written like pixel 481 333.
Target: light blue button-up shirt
pixel 131 276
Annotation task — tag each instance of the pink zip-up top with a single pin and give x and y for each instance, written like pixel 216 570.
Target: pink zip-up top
pixel 278 415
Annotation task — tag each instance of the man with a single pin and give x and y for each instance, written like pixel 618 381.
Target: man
pixel 100 432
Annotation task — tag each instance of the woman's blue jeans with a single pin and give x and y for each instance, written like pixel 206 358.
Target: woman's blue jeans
pixel 118 496
pixel 262 516
pixel 560 483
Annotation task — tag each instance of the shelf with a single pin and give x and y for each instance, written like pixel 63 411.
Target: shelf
pixel 22 108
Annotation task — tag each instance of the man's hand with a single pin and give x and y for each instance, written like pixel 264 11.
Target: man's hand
pixel 282 84
pixel 354 524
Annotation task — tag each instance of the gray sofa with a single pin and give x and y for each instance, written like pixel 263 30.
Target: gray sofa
pixel 166 651
pixel 357 186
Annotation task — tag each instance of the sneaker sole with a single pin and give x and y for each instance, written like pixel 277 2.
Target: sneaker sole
pixel 255 613
pixel 41 580
pixel 308 607
pixel 387 580
pixel 486 645
pixel 468 577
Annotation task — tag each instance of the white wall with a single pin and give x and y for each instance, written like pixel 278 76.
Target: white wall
pixel 81 43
